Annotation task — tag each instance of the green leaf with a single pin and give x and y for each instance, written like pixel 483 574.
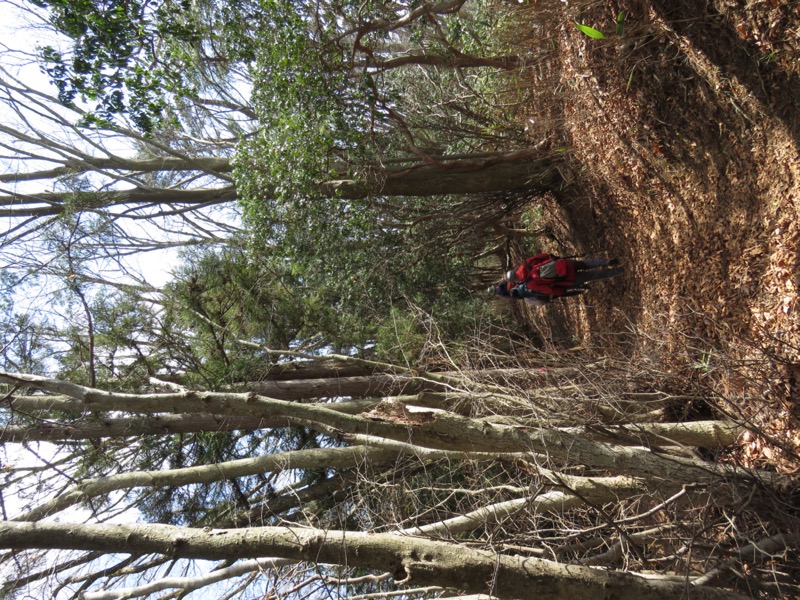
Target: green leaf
pixel 621 23
pixel 591 32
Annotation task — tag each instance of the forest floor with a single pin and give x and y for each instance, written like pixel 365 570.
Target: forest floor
pixel 683 138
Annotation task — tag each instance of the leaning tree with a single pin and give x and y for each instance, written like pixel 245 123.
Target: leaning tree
pixel 455 482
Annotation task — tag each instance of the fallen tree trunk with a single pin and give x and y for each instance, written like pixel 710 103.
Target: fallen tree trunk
pixel 412 561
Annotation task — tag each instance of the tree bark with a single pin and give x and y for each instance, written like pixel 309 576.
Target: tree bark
pixel 450 61
pixel 697 434
pixel 383 384
pixel 459 177
pixel 55 203
pixel 316 458
pixel 190 420
pixel 411 560
pixel 324 369
pixel 456 177
pixel 372 385
pixel 320 369
pixel 122 427
pixel 138 165
pixel 437 430
pixel 351 457
pixel 597 490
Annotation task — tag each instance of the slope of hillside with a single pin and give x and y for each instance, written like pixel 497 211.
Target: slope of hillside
pixel 682 137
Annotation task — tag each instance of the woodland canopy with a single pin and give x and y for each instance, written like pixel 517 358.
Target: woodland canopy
pixel 245 349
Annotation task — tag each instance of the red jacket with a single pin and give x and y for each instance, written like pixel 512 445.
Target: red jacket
pixel 528 273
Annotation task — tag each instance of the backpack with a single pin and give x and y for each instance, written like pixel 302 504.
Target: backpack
pixel 542 266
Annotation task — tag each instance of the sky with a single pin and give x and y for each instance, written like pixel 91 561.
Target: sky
pixel 17 35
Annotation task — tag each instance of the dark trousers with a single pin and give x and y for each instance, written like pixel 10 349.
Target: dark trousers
pixel 589 270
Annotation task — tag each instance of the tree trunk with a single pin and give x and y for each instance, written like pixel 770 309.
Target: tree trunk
pixel 139 165
pixel 315 458
pixel 412 561
pixel 449 61
pixel 320 369
pixel 326 369
pixel 373 385
pixel 493 174
pixel 392 421
pixel 697 434
pixel 189 420
pixel 122 427
pixel 458 177
pixel 55 203
pixel 350 457
pixel 597 490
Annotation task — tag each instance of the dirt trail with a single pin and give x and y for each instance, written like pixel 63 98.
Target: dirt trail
pixel 684 161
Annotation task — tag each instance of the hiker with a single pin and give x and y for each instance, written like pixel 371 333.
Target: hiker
pixel 544 277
